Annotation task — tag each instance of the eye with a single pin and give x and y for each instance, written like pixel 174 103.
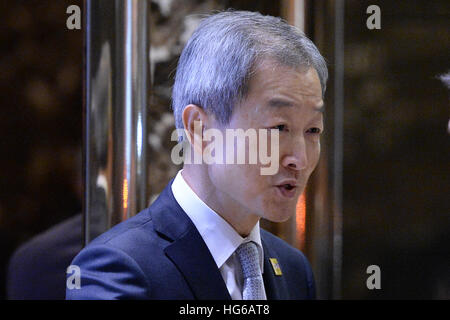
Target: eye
pixel 314 130
pixel 280 127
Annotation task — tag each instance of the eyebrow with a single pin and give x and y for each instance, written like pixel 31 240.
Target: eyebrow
pixel 279 103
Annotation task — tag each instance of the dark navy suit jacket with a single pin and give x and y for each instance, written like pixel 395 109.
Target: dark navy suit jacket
pixel 37 269
pixel 159 254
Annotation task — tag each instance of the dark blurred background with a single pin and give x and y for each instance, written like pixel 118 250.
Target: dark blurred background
pixel 396 145
pixel 41 122
pixel 397 150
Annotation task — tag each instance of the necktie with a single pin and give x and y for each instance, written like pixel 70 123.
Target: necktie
pixel 248 255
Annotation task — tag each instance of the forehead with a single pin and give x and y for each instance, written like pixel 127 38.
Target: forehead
pixel 270 74
pixel 279 87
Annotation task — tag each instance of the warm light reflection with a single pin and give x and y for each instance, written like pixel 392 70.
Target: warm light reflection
pixel 300 222
pixel 125 193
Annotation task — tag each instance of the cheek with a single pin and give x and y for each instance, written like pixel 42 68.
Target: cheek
pixel 251 178
pixel 240 180
pixel 313 154
pixel 251 187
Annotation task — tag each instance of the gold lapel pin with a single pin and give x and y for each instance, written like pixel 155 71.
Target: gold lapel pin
pixel 276 266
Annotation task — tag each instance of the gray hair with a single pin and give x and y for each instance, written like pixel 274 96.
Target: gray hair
pixel 217 62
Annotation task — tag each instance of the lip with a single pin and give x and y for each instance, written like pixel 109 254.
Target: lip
pixel 291 182
pixel 284 192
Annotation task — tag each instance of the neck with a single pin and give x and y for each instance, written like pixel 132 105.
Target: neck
pixel 197 177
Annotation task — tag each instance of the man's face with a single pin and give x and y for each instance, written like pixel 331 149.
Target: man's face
pixel 287 100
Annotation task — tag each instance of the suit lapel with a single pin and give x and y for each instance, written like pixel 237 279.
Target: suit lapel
pixel 188 251
pixel 276 287
pixel 190 254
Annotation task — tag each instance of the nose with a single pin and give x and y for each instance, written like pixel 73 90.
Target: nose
pixel 296 159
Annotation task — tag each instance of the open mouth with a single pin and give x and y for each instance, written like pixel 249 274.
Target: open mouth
pixel 287 190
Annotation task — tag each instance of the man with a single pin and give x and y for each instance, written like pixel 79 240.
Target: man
pixel 201 238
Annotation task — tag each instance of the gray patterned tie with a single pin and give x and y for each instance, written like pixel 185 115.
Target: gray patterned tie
pixel 253 282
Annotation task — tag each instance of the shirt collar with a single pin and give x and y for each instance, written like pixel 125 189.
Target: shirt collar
pixel 220 237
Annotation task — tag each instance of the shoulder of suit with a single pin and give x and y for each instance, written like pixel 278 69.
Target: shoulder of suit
pixel 129 228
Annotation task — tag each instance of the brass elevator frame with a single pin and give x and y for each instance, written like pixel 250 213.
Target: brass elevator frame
pixel 116 95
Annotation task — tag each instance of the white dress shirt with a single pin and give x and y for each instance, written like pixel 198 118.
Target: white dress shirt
pixel 220 237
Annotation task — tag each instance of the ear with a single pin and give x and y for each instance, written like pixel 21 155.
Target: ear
pixel 195 120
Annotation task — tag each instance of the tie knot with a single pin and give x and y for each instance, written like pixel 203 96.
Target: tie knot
pixel 249 257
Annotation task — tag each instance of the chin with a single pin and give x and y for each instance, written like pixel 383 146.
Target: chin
pixel 278 216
